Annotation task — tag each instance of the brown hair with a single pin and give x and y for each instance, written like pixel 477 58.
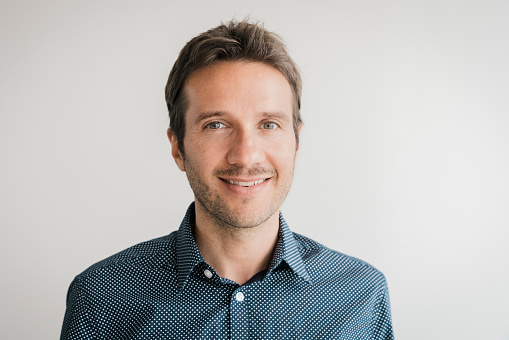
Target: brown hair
pixel 231 41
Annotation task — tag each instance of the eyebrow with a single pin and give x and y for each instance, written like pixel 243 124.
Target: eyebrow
pixel 206 115
pixel 276 114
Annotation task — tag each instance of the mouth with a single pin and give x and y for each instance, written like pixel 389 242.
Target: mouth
pixel 245 184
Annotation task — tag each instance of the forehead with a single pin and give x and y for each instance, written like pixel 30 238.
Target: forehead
pixel 238 85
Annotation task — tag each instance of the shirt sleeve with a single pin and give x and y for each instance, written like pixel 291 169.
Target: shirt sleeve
pixel 77 323
pixel 382 322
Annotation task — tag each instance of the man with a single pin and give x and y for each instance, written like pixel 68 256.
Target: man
pixel 233 270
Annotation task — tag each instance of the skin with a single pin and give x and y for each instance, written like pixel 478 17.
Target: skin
pixel 238 128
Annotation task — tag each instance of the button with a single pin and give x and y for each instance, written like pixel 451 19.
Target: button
pixel 239 297
pixel 207 273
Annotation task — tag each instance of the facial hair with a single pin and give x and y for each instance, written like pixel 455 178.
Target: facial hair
pixel 210 197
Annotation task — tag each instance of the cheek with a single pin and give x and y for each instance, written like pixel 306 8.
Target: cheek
pixel 283 145
pixel 208 156
pixel 282 156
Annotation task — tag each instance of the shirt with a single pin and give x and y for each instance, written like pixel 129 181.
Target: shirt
pixel 163 289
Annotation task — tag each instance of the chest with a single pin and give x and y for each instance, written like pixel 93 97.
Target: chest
pixel 261 310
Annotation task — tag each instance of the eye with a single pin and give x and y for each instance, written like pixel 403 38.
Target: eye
pixel 269 125
pixel 214 125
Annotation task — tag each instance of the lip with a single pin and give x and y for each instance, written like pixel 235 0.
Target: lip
pixel 245 182
pixel 245 186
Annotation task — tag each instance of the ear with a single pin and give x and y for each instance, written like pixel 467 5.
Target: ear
pixel 175 152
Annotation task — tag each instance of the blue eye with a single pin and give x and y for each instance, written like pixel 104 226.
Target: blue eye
pixel 214 125
pixel 269 125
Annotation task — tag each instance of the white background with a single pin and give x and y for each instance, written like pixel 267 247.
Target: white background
pixel 404 158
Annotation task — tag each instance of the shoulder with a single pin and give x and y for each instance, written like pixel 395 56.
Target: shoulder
pixel 325 264
pixel 154 253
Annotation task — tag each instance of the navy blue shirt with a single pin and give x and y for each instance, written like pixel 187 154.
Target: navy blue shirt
pixel 163 289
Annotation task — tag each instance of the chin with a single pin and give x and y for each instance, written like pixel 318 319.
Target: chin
pixel 243 218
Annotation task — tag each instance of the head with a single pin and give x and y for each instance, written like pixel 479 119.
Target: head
pixel 233 41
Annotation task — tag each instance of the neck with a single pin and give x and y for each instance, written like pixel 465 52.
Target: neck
pixel 235 253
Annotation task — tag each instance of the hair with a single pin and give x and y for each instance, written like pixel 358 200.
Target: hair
pixel 231 41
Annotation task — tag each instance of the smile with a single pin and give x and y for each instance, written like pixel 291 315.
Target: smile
pixel 244 184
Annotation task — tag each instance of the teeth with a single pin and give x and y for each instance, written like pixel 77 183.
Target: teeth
pixel 246 184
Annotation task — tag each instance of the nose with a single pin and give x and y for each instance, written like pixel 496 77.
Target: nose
pixel 246 149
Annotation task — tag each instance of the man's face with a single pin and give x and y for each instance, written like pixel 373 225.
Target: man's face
pixel 239 141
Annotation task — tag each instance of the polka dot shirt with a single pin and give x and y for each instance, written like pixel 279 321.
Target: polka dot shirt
pixel 163 289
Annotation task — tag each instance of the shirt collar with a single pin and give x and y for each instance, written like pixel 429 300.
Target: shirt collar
pixel 287 250
pixel 188 255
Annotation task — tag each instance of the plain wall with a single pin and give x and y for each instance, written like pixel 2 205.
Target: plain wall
pixel 404 156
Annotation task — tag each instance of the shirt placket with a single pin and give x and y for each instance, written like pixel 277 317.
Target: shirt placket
pixel 239 316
